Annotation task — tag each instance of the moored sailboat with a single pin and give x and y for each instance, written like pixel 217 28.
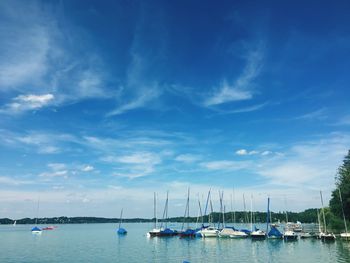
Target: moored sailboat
pixel 257 234
pixel 325 236
pixel 121 230
pixel 345 235
pixel 36 230
pixel 289 233
pixel 210 230
pixel 191 233
pixel 155 231
pixel 274 233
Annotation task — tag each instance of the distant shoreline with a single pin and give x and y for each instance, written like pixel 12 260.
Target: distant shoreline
pixel 307 216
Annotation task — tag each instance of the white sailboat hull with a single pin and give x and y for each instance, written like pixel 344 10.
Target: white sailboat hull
pixel 209 232
pixel 345 236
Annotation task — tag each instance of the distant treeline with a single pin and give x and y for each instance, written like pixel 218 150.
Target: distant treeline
pixel 307 216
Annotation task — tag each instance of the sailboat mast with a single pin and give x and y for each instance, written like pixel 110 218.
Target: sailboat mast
pixel 234 206
pixel 121 216
pixel 267 214
pixel 342 208
pixel 222 208
pixel 206 205
pixel 200 210
pixel 211 212
pixel 166 209
pixel 188 209
pixel 251 213
pixel 232 217
pixel 319 221
pixel 324 217
pixel 37 212
pixel 155 210
pixel 285 206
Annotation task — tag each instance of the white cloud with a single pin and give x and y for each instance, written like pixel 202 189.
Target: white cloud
pixel 146 95
pixel 313 163
pixel 228 93
pixel 38 61
pixel 187 158
pixel 135 165
pixel 226 165
pixel 345 120
pixel 242 89
pixel 245 152
pixel 139 158
pixel 320 114
pixel 23 103
pixel 62 173
pixel 4 180
pixel 87 168
pixel 264 153
pixel 57 166
pixel 242 152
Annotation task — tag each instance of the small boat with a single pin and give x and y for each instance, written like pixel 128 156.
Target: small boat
pixel 15 223
pixel 290 235
pixel 209 232
pixel 162 232
pixel 155 231
pixel 325 236
pixel 298 227
pixel 258 234
pixel 238 234
pixel 36 230
pixel 191 233
pixel 274 233
pixel 305 235
pixel 49 228
pixel 120 230
pixel 345 236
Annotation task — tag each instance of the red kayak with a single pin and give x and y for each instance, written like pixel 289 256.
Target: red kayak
pixel 49 228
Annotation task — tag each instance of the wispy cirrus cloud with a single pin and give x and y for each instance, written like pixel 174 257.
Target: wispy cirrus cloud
pixel 343 121
pixel 314 162
pixel 134 165
pixel 242 88
pixel 38 65
pixel 226 165
pixel 188 158
pixel 27 102
pixel 320 114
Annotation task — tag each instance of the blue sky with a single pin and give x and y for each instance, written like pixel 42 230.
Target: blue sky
pixel 102 103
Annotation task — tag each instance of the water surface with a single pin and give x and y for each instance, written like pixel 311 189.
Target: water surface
pixel 99 243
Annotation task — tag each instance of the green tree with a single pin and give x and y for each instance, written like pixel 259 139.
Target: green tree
pixel 342 183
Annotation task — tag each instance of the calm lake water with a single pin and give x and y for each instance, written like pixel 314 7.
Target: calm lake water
pixel 100 243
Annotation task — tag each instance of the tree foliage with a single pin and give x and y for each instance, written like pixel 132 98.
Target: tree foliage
pixel 342 184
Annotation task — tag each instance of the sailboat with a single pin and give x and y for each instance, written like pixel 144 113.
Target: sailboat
pixel 36 230
pixel 15 223
pixel 188 232
pixel 227 231
pixel 289 234
pixel 345 235
pixel 257 233
pixel 166 231
pixel 155 231
pixel 274 233
pixel 210 231
pixel 325 236
pixel 121 231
